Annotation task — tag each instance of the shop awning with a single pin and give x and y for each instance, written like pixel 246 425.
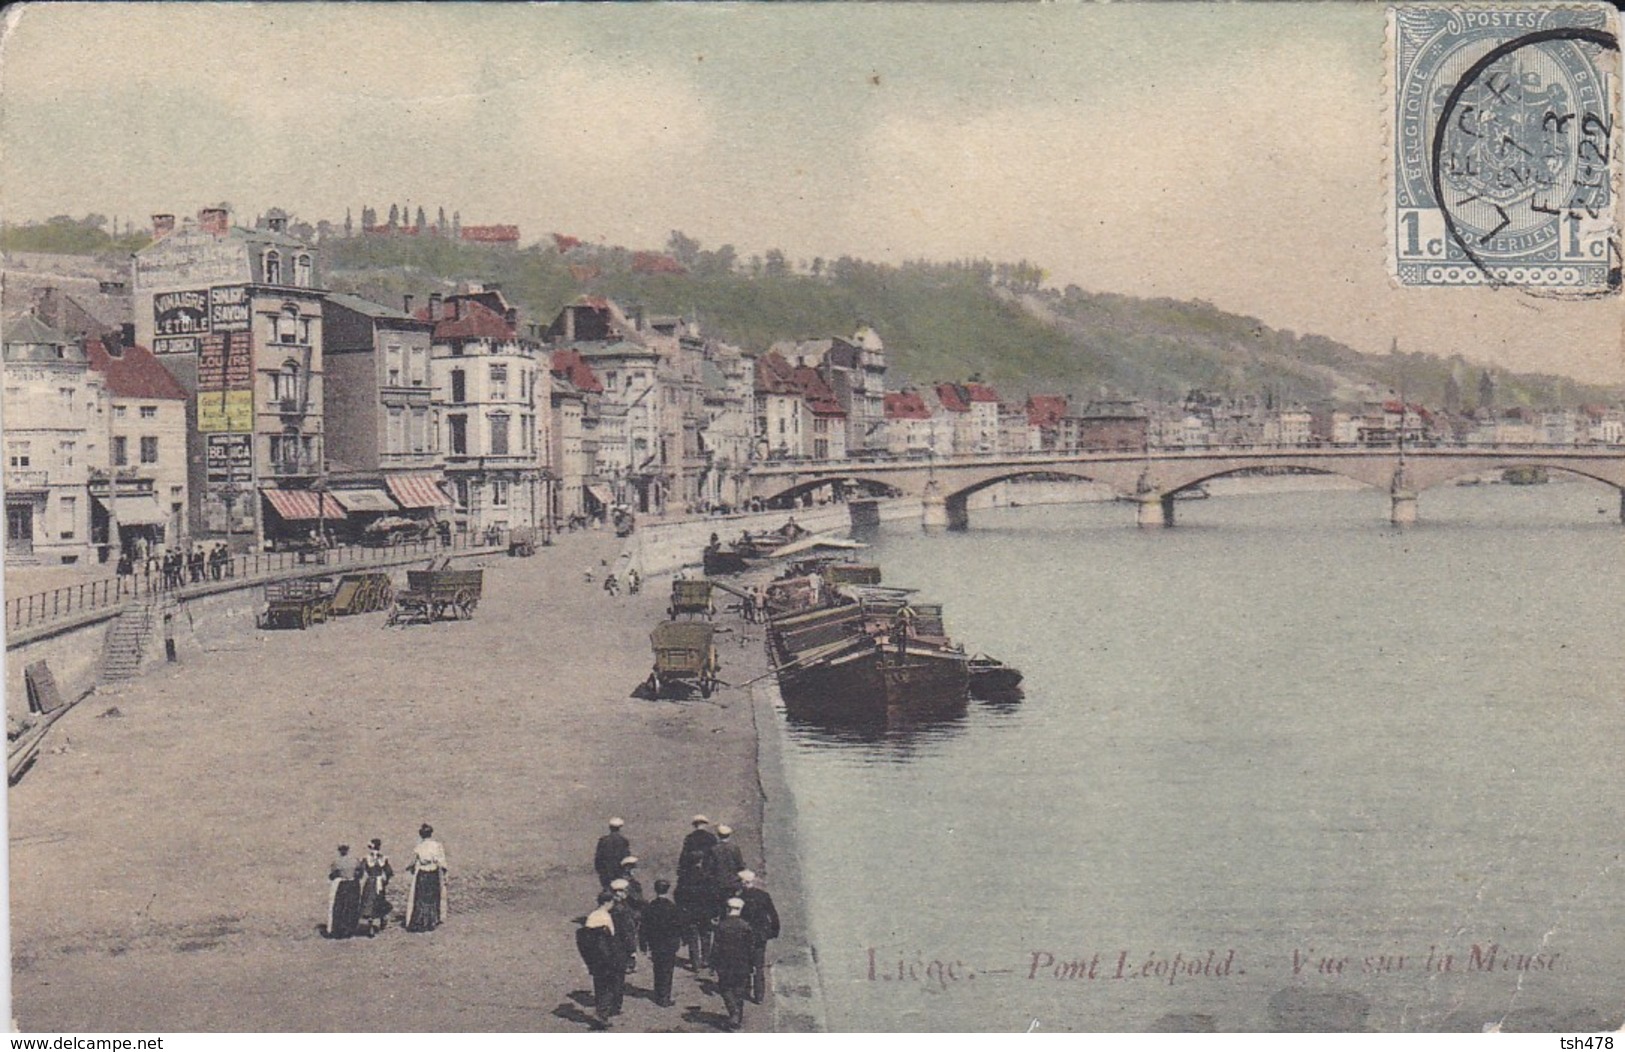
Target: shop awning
pixel 600 494
pixel 299 505
pixel 369 500
pixel 418 491
pixel 135 511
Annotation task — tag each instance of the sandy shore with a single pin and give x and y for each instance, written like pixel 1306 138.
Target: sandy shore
pixel 169 851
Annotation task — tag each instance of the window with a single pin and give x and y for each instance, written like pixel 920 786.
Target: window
pixel 499 434
pixel 459 386
pixel 149 412
pixel 149 449
pixel 459 434
pixel 419 426
pixel 66 393
pixel 285 384
pixel 499 493
pixel 392 365
pixel 118 412
pixel 66 449
pixel 420 366
pixel 121 451
pixel 287 324
pixel 273 267
pixel 434 431
pixel 70 513
pixel 499 383
pixel 395 439
pixel 459 488
pixel 301 271
pixel 17 454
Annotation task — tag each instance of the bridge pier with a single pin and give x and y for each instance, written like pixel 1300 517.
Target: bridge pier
pixel 1402 511
pixel 933 507
pixel 1155 509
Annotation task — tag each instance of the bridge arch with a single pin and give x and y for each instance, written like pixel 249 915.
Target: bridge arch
pixel 789 495
pixel 1439 474
pixel 1045 473
pixel 1294 471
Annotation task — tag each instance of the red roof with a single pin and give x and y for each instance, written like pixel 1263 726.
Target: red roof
pixel 499 232
pixel 571 366
pixel 774 375
pixel 656 263
pixel 906 405
pixel 953 398
pixel 137 373
pixel 820 399
pixel 1046 411
pixel 474 321
pixel 982 393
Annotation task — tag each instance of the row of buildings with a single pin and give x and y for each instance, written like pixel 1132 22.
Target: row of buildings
pixel 244 401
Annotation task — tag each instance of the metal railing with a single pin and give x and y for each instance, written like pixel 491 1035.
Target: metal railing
pixel 67 601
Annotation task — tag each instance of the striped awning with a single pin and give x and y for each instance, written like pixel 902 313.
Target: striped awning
pixel 418 491
pixel 600 494
pixel 373 500
pixel 300 505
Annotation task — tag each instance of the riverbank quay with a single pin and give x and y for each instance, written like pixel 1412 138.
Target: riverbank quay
pixel 168 866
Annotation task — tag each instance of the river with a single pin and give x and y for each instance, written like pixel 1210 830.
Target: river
pixel 1281 767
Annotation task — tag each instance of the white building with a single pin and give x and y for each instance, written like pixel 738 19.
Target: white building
pixel 139 501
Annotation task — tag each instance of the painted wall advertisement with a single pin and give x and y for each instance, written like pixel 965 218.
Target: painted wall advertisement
pixel 228 309
pixel 225 379
pixel 180 318
pixel 230 461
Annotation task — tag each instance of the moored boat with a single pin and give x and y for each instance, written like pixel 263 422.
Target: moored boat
pixel 990 677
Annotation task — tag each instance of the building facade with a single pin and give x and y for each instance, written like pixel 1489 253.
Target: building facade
pixel 139 497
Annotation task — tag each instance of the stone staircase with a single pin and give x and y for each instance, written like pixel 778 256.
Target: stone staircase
pixel 126 641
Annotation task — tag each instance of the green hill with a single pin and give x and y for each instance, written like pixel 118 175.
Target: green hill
pixel 943 321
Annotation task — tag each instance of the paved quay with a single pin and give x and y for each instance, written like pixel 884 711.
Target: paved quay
pixel 169 850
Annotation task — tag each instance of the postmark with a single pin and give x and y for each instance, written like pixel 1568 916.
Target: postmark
pixel 1505 163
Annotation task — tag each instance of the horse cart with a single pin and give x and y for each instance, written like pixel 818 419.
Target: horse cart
pixel 522 542
pixel 363 593
pixel 692 598
pixel 685 653
pixel 297 604
pixel 437 595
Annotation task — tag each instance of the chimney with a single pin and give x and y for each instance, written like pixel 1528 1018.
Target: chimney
pixel 569 324
pixel 406 303
pixel 213 220
pixel 511 316
pixel 453 308
pixel 126 335
pixel 435 305
pixel 637 318
pixel 163 224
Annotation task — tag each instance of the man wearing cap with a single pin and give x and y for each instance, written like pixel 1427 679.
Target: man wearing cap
pixel 731 953
pixel 612 847
pixel 696 896
pixel 763 919
pixel 626 924
pixel 726 862
pixel 660 932
pixel 601 952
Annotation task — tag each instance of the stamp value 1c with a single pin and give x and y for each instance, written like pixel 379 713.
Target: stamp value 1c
pixel 1505 166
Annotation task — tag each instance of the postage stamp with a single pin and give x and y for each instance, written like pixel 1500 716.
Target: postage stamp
pixel 1505 160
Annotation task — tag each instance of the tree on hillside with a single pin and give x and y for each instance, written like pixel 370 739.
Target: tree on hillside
pixel 440 222
pixel 818 266
pixel 683 249
pixel 394 217
pixel 422 220
pixel 775 265
pixel 716 264
pixel 369 217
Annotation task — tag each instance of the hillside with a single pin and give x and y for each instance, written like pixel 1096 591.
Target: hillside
pixel 946 321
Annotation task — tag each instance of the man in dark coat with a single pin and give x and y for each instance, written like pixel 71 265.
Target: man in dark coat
pixel 626 923
pixel 660 933
pixel 731 953
pixel 763 919
pixel 725 863
pixel 696 853
pixel 601 952
pixel 612 847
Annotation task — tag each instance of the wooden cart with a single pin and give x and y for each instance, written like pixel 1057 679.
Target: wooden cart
pixel 362 593
pixel 684 653
pixel 297 604
pixel 692 598
pixel 522 542
pixel 435 595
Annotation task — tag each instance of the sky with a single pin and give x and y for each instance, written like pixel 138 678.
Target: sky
pixel 1236 153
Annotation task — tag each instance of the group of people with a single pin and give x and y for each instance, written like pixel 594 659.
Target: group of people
pixel 174 568
pixel 612 583
pixel 718 909
pixel 358 889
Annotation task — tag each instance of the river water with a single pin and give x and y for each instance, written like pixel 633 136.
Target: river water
pixel 1281 767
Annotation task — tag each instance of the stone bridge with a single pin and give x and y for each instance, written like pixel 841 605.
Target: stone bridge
pixel 1154 478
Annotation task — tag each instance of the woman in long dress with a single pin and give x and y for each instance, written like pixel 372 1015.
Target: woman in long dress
pixel 426 892
pixel 343 895
pixel 376 873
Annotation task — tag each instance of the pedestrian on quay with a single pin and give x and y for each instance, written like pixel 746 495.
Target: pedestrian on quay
pixel 149 566
pixel 612 847
pixel 731 953
pixel 126 573
pixel 426 892
pixel 763 918
pixel 634 887
pixel 376 873
pixel 589 574
pixel 634 582
pixel 601 952
pixel 660 932
pixel 725 863
pixel 343 895
pixel 626 923
pixel 696 896
pixel 611 585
